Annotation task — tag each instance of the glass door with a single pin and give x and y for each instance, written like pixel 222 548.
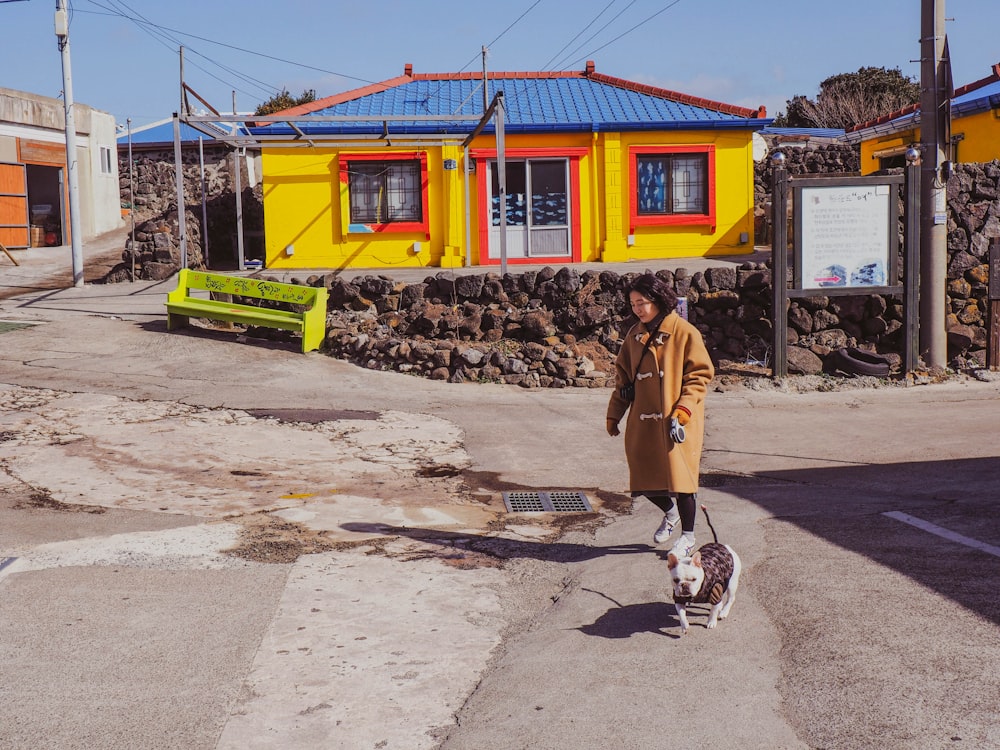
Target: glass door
pixel 538 221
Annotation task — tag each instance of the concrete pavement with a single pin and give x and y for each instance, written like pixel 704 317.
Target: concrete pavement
pixel 213 544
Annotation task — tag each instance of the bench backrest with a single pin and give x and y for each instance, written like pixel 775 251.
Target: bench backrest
pixel 247 287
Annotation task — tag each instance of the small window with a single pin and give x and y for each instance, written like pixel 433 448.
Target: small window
pixel 385 192
pixel 105 160
pixel 672 185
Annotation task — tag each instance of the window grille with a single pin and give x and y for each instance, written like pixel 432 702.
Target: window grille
pixel 383 192
pixel 671 184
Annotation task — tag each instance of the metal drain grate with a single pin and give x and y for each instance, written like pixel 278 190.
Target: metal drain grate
pixel 553 501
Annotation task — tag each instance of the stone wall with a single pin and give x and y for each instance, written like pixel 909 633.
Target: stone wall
pixel 973 222
pixel 827 158
pixel 556 328
pixel 156 253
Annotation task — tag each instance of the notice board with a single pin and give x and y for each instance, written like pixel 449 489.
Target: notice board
pixel 845 236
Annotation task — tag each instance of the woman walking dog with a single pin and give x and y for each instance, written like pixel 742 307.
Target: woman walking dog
pixel 662 374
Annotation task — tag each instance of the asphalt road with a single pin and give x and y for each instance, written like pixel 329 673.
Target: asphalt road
pixel 436 620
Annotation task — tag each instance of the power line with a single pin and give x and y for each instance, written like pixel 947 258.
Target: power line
pixel 629 31
pixel 160 36
pixel 564 61
pixel 526 87
pixel 581 31
pixel 155 29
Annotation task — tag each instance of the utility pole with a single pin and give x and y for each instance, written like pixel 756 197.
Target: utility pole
pixel 502 179
pixel 486 93
pixel 933 179
pixel 75 229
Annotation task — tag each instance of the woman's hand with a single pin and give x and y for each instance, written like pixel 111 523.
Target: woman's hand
pixel 682 415
pixel 612 427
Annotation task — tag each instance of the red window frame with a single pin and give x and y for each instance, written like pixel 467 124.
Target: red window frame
pixel 395 227
pixel 646 220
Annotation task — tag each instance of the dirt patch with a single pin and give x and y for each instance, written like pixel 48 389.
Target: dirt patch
pixel 268 539
pixel 41 499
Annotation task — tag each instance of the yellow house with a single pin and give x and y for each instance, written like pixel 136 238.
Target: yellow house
pixel 397 174
pixel 975 128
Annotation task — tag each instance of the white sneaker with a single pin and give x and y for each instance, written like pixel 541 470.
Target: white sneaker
pixel 667 526
pixel 684 546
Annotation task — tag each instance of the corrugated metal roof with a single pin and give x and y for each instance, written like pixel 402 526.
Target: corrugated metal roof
pixel 532 104
pixel 811 132
pixel 163 132
pixel 980 96
pixel 977 100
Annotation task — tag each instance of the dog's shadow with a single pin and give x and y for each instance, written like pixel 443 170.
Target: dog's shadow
pixel 626 620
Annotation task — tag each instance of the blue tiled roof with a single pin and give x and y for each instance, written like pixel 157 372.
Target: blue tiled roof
pixel 540 104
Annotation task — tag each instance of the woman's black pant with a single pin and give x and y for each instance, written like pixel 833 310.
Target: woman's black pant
pixel 686 507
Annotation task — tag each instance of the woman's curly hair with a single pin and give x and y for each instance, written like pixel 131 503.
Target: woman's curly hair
pixel 654 288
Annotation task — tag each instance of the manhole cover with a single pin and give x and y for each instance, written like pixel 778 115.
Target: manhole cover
pixel 551 501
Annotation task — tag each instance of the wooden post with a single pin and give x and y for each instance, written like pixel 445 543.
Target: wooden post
pixel 779 266
pixel 7 253
pixel 911 264
pixel 993 354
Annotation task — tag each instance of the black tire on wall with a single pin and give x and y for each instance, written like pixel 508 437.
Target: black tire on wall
pixel 859 362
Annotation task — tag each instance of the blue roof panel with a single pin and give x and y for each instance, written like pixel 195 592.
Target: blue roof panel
pixel 531 104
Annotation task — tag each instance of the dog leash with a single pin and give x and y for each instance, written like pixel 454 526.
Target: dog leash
pixel 715 537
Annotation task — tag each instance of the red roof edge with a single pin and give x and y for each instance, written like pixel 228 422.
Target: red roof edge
pixel 589 73
pixel 885 118
pixel 346 96
pixel 492 75
pixel 696 101
pixel 992 78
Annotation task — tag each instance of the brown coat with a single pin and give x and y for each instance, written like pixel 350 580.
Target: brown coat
pixel 680 376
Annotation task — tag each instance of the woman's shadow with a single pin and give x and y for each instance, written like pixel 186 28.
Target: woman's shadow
pixel 620 621
pixel 500 547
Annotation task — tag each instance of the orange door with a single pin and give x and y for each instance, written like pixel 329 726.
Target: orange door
pixel 13 206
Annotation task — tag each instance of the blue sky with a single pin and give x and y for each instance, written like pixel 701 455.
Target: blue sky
pixel 735 51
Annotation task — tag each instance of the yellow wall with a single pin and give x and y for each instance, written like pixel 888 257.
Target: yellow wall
pixel 733 195
pixel 982 136
pixel 870 163
pixel 305 205
pixel 980 141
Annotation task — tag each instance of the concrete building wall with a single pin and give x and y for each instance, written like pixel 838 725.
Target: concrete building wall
pixel 32 133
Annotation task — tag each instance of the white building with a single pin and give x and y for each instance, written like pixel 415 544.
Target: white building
pixel 34 180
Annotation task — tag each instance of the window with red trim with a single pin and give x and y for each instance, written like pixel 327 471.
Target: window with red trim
pixel 672 185
pixel 386 192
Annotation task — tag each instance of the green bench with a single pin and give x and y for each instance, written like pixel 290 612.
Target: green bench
pixel 181 305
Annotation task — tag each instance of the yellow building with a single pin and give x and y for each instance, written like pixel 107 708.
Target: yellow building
pixel 975 128
pixel 597 168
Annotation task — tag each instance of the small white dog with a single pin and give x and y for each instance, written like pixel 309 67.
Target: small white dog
pixel 710 575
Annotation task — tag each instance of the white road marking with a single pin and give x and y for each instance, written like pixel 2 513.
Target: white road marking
pixel 944 533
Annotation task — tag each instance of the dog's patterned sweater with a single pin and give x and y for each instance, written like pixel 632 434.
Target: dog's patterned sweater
pixel 717 562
